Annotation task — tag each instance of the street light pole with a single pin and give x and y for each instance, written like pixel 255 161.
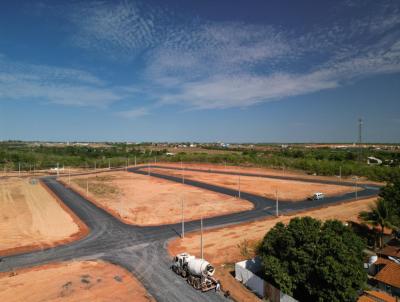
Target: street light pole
pixel 201 237
pixel 239 187
pixel 356 188
pixel 183 221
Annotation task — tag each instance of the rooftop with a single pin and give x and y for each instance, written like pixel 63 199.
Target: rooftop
pixel 375 296
pixel 389 274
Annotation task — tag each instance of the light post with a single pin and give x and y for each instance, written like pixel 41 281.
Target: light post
pixel 183 221
pixel 201 237
pixel 239 187
pixel 356 192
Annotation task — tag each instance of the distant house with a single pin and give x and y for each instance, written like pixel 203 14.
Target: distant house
pixel 371 160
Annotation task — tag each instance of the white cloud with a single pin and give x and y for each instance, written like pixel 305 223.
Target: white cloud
pixel 134 113
pixel 118 29
pixel 201 64
pixel 54 84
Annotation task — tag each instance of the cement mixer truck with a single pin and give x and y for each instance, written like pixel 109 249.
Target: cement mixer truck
pixel 197 272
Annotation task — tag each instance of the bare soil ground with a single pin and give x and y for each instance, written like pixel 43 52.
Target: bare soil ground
pixel 31 218
pixel 288 190
pixel 232 244
pixel 70 282
pixel 145 200
pixel 263 170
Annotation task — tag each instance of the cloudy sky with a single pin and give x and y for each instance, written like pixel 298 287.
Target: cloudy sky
pixel 179 70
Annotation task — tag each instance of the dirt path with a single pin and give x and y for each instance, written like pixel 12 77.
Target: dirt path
pixel 70 282
pixel 30 217
pixel 146 200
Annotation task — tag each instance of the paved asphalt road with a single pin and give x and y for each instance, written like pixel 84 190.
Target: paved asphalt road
pixel 142 250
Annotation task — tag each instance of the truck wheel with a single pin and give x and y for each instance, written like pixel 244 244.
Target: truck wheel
pixel 197 283
pixel 184 274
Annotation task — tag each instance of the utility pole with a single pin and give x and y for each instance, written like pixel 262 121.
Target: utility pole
pixel 69 176
pixel 239 195
pixel 135 160
pixel 201 237
pixel 19 169
pixel 58 169
pixel 120 206
pixel 109 164
pixel 356 187
pixel 360 124
pixel 95 165
pixel 126 165
pixel 277 203
pixel 87 187
pixel 128 161
pixel 183 176
pixel 340 173
pixel 148 168
pixel 155 160
pixel 183 221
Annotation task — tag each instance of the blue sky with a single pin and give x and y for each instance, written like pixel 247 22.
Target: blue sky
pixel 238 71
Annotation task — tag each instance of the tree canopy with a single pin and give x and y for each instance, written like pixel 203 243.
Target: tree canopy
pixel 314 261
pixel 391 195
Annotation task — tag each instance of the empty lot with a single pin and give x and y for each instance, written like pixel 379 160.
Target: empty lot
pixel 72 281
pixel 31 218
pixel 145 200
pixel 288 190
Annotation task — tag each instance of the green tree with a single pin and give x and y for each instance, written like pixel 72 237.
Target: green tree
pixel 314 261
pixel 378 215
pixel 391 194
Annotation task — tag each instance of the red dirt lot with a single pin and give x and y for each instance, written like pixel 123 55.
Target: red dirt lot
pixel 32 218
pixel 236 243
pixel 70 282
pixel 145 200
pixel 263 171
pixel 288 190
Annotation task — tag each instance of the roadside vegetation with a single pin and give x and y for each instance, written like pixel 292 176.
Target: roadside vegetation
pixel 348 161
pixel 314 261
pixel 385 212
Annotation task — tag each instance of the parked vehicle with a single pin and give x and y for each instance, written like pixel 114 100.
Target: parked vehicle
pixel 198 272
pixel 317 196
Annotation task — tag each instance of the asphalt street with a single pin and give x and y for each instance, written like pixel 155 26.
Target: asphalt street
pixel 142 250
